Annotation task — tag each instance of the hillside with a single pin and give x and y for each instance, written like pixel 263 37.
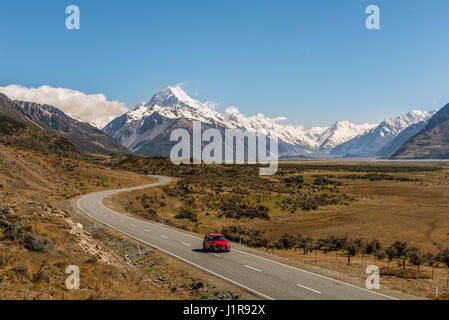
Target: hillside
pixel 432 142
pixel 401 139
pixel 82 134
pixel 17 130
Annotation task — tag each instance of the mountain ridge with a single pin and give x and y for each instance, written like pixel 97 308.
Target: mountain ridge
pixel 82 134
pixel 371 143
pixel 431 142
pixel 172 104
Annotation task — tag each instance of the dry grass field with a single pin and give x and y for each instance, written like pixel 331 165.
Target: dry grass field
pixel 415 210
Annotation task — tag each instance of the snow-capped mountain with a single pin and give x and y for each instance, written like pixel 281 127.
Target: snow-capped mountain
pixel 371 143
pixel 146 129
pixel 341 132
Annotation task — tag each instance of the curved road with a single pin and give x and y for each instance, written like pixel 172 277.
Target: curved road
pixel 266 278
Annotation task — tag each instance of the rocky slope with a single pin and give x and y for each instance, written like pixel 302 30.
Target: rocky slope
pixel 402 138
pixel 432 142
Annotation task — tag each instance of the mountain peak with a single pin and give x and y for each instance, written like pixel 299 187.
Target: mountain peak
pixel 173 97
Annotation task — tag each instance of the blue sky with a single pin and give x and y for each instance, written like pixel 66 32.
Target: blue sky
pixel 312 61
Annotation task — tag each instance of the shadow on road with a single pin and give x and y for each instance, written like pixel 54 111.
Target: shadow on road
pixel 207 251
pixel 201 250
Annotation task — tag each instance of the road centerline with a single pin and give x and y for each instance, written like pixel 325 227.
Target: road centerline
pixel 307 288
pixel 252 268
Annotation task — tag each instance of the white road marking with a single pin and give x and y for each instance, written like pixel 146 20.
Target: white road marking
pixel 308 288
pixel 164 236
pixel 186 244
pixel 122 221
pixel 147 230
pixel 132 224
pixel 214 254
pixel 249 267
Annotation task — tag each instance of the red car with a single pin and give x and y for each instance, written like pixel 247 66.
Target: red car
pixel 216 242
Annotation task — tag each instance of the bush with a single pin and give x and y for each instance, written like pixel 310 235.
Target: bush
pixel 41 275
pixel 250 237
pixel 304 243
pixel 415 257
pixel 26 237
pixel 372 247
pixel 323 181
pixel 297 181
pixel 187 213
pixel 4 260
pixel 401 273
pixel 237 207
pixel 21 269
pixel 374 177
pixel 33 242
pixel 287 241
pixel 443 256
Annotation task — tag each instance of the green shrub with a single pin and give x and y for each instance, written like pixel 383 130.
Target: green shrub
pixel 187 213
pixel 249 236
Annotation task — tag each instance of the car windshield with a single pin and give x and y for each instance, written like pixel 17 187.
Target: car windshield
pixel 218 238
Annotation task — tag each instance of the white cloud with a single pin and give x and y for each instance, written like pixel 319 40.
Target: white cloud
pixel 279 119
pixel 232 110
pixel 211 104
pixel 92 108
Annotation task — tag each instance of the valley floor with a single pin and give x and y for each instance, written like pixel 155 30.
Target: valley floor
pixel 386 201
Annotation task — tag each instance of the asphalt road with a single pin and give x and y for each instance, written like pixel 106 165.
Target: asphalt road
pixel 264 277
